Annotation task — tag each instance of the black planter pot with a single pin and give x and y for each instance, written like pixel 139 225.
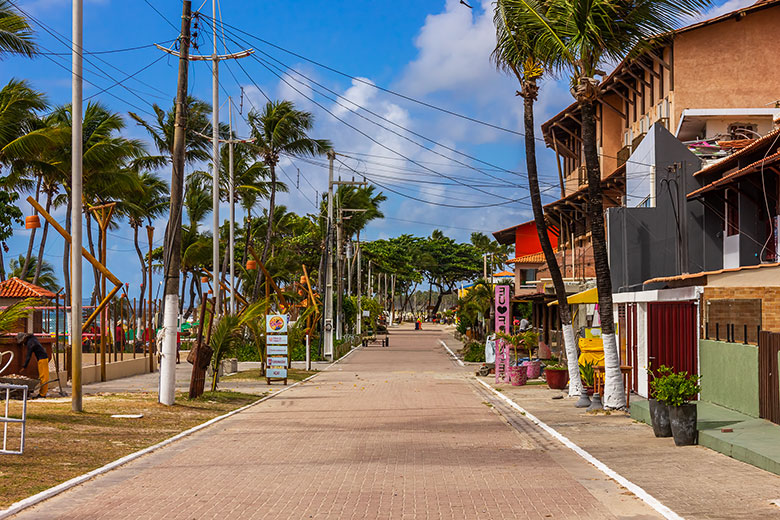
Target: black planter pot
pixel 659 418
pixel 683 421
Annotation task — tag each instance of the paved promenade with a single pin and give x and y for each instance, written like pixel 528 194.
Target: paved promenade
pixel 398 432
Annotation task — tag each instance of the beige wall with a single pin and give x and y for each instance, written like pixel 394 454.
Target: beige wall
pixel 731 64
pixel 117 370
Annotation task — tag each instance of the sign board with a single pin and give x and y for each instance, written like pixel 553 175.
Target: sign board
pixel 276 339
pixel 277 373
pixel 276 323
pixel 366 314
pixel 503 309
pixel 277 361
pixel 276 349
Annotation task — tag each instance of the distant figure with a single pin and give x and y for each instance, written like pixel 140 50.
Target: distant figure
pixel 119 338
pixel 524 325
pixel 418 324
pixel 33 346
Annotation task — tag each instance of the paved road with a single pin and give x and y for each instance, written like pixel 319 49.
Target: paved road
pixel 398 432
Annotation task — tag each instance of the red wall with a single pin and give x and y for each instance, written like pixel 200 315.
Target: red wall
pixel 527 240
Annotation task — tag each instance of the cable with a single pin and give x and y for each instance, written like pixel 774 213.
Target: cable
pixel 119 82
pixel 112 51
pixel 162 15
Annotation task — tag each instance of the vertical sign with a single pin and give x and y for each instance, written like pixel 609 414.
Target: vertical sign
pixel 503 309
pixel 276 353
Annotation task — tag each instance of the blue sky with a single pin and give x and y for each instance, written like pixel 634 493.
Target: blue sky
pixel 435 51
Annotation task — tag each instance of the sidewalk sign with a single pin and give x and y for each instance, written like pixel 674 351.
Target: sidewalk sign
pixel 276 349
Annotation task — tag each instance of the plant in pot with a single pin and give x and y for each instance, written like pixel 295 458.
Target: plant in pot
pixel 531 341
pixel 587 374
pixel 557 375
pixel 659 411
pixel 676 389
pixel 517 375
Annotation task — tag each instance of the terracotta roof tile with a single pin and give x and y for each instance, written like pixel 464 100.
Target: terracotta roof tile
pixel 17 288
pixel 533 258
pixel 689 276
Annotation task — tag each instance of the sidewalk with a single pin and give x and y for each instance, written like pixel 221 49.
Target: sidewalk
pixel 693 481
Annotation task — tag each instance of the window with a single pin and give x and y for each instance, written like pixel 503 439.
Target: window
pixel 732 212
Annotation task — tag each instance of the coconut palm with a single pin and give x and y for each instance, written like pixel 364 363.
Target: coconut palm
pixel 582 37
pixel 520 53
pixel 151 203
pixel 281 129
pixel 198 145
pixel 46 279
pixel 15 33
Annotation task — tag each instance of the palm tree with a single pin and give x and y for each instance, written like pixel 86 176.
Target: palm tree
pixel 520 53
pixel 198 145
pixel 281 129
pixel 46 279
pixel 19 104
pixel 581 37
pixel 15 32
pixel 151 203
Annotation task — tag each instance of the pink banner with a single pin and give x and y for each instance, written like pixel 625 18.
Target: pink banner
pixel 503 309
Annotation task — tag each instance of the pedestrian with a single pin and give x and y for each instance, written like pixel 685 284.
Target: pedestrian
pixel 119 338
pixel 33 346
pixel 524 324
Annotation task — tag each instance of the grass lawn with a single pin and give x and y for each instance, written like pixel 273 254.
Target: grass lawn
pixel 293 374
pixel 61 444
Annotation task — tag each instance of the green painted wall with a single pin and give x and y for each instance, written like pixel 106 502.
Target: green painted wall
pixel 729 375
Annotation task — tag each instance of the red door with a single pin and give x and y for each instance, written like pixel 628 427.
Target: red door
pixel 672 336
pixel 628 340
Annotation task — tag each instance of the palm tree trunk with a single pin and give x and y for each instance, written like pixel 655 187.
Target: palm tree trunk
pixel 43 241
pixel 614 392
pixel 30 243
pixel 2 264
pixel 271 205
pixel 66 253
pixel 248 236
pixel 140 254
pixel 91 244
pixel 183 288
pixel 529 93
pixel 191 307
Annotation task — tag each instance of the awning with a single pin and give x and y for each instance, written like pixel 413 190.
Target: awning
pixel 587 296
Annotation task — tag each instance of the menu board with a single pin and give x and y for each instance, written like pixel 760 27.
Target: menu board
pixel 276 349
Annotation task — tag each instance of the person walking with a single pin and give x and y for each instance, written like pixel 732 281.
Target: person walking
pixel 33 346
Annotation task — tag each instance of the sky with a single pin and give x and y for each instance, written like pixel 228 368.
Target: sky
pixel 439 171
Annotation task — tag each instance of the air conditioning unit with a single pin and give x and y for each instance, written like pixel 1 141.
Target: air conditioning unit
pixel 664 121
pixel 623 155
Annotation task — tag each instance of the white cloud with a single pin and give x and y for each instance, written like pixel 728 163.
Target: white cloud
pixel 726 7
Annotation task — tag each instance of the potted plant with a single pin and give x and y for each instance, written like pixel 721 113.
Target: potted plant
pixel 557 375
pixel 517 375
pixel 531 341
pixel 587 374
pixel 676 389
pixel 659 411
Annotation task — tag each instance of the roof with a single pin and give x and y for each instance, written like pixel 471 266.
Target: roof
pixel 573 108
pixel 533 258
pixel 507 236
pixel 690 276
pixel 18 288
pixel 587 296
pixel 733 159
pixel 502 274
pixel 726 179
pixel 614 179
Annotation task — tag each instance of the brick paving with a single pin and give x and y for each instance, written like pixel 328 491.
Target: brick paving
pixel 694 481
pixel 398 432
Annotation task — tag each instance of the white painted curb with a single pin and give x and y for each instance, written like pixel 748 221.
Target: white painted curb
pixel 452 353
pixel 19 506
pixel 640 493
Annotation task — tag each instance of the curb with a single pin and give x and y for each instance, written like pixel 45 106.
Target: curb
pixel 637 491
pixel 46 494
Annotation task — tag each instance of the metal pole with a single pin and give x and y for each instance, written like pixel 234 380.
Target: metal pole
pixel 328 347
pixel 75 197
pixel 232 188
pixel 308 353
pixel 339 279
pixel 359 324
pixel 215 160
pixel 150 345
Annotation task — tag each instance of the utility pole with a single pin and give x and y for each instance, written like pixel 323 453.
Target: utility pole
pixel 172 263
pixel 214 58
pixel 77 154
pixel 232 188
pixel 359 324
pixel 392 299
pixel 339 280
pixel 328 347
pixel 682 211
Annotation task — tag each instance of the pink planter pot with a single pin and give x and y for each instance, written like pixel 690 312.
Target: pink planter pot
pixel 518 376
pixel 533 368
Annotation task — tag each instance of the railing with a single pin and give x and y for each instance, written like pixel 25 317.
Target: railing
pixel 728 332
pixel 6 420
pixel 349 342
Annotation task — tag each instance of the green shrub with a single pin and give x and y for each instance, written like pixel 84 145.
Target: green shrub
pixel 474 352
pixel 246 352
pixel 674 388
pixel 587 373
